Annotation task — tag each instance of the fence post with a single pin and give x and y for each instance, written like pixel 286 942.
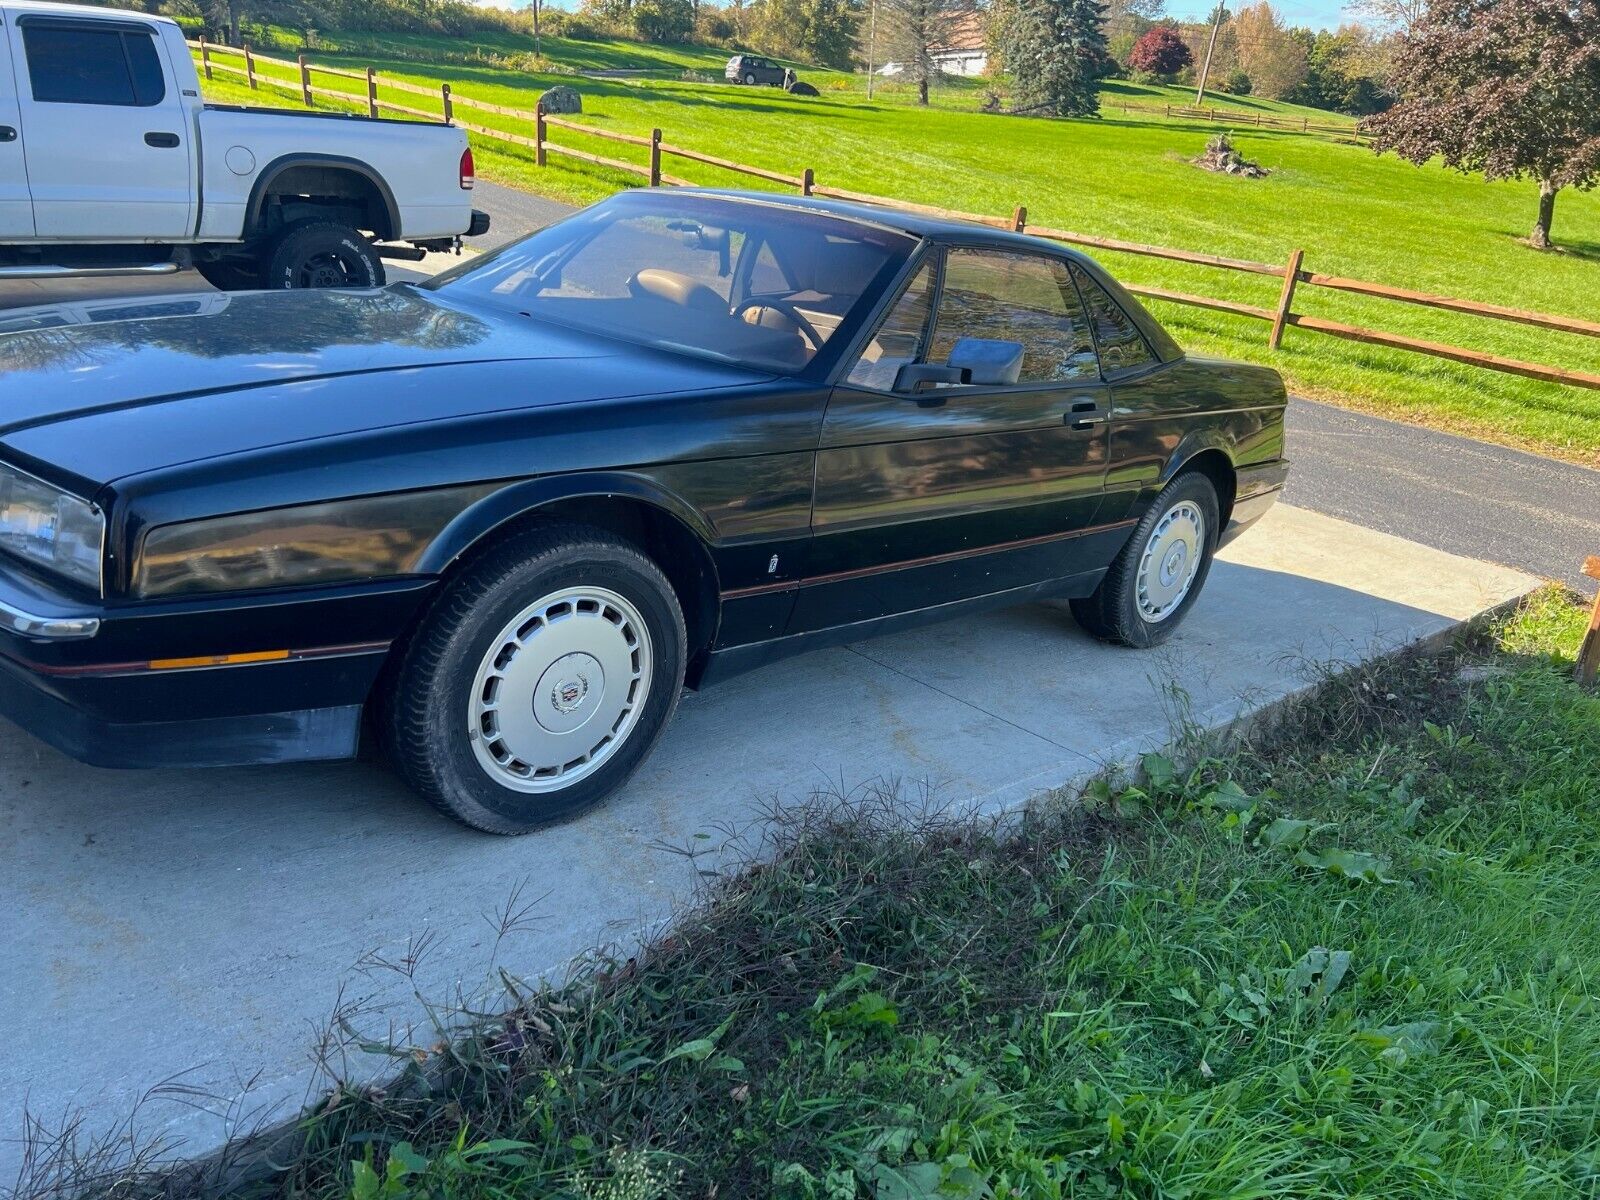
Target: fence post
pixel 449 106
pixel 538 132
pixel 249 66
pixel 1291 276
pixel 205 55
pixel 1169 108
pixel 1019 218
pixel 372 92
pixel 1589 651
pixel 655 158
pixel 808 180
pixel 1305 124
pixel 305 81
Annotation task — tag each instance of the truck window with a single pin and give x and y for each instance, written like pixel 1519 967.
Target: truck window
pixel 70 64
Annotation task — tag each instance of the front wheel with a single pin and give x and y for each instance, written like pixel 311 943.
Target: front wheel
pixel 539 682
pixel 320 254
pixel 1158 576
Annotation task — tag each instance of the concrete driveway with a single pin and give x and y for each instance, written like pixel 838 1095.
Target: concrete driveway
pixel 200 927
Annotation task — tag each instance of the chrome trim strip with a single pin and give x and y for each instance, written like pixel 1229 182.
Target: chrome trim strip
pixel 55 271
pixel 57 629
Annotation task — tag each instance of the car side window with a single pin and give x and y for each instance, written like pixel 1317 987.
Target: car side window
pixel 74 65
pixel 1001 305
pixel 1122 346
pixel 898 338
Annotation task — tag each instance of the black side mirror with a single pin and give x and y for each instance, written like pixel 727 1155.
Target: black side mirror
pixel 913 377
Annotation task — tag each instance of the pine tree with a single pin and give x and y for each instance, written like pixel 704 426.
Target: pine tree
pixel 1056 53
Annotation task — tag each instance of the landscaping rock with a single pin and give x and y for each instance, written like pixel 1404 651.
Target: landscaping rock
pixel 801 88
pixel 562 99
pixel 1220 156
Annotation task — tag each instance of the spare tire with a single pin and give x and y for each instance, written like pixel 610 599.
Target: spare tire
pixel 320 254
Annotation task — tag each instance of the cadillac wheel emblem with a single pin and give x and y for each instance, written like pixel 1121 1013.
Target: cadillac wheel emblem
pixel 569 693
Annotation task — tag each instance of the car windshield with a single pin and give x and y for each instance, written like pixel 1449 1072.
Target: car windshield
pixel 737 280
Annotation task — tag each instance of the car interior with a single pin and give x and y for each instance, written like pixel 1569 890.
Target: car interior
pixel 770 292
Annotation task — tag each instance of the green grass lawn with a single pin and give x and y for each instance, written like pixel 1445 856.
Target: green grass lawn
pixel 1358 956
pixel 1127 176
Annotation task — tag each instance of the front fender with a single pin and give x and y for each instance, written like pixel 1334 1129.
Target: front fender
pixel 518 499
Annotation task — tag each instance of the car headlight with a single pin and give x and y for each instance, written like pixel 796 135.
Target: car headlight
pixel 50 528
pixel 339 541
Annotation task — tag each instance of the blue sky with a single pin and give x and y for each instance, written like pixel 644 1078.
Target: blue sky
pixel 1318 14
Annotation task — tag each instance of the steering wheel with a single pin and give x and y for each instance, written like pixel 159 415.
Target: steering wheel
pixel 788 309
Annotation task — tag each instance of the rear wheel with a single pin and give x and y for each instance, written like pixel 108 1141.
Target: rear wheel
pixel 1158 576
pixel 750 78
pixel 313 254
pixel 539 682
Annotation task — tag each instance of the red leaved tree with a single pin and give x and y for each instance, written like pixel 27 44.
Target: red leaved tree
pixel 1508 88
pixel 1160 51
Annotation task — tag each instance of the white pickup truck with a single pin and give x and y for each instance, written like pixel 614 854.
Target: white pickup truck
pixel 110 163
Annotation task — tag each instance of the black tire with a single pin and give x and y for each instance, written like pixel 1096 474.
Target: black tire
pixel 1114 612
pixel 749 79
pixel 320 254
pixel 426 703
pixel 229 274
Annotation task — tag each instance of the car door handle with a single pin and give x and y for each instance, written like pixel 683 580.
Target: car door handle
pixel 7 134
pixel 1085 414
pixel 161 141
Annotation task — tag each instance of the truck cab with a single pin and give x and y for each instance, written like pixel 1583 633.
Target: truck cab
pixel 110 162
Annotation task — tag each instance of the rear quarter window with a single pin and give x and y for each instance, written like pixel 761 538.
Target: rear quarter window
pixel 1122 347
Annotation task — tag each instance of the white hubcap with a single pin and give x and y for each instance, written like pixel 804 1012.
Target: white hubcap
pixel 1171 560
pixel 559 689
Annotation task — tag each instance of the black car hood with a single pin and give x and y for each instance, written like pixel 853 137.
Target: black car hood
pixel 100 392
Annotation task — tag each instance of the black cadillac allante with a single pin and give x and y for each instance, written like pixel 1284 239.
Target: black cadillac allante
pixel 505 516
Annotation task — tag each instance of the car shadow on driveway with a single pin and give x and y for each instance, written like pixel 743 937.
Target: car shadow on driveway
pixel 205 921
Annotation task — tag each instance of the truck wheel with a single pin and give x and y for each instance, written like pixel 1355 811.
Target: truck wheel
pixel 229 274
pixel 315 254
pixel 1158 576
pixel 538 682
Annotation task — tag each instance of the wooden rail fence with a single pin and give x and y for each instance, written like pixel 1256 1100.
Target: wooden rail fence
pixel 1234 117
pixel 1292 272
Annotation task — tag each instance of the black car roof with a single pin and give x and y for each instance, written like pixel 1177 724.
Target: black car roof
pixel 882 215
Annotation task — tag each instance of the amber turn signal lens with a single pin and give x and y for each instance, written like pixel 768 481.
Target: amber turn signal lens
pixel 218 660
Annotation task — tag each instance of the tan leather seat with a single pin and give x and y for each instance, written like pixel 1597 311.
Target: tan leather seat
pixel 676 289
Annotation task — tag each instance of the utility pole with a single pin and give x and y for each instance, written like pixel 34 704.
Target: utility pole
pixel 1205 71
pixel 538 46
pixel 872 45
